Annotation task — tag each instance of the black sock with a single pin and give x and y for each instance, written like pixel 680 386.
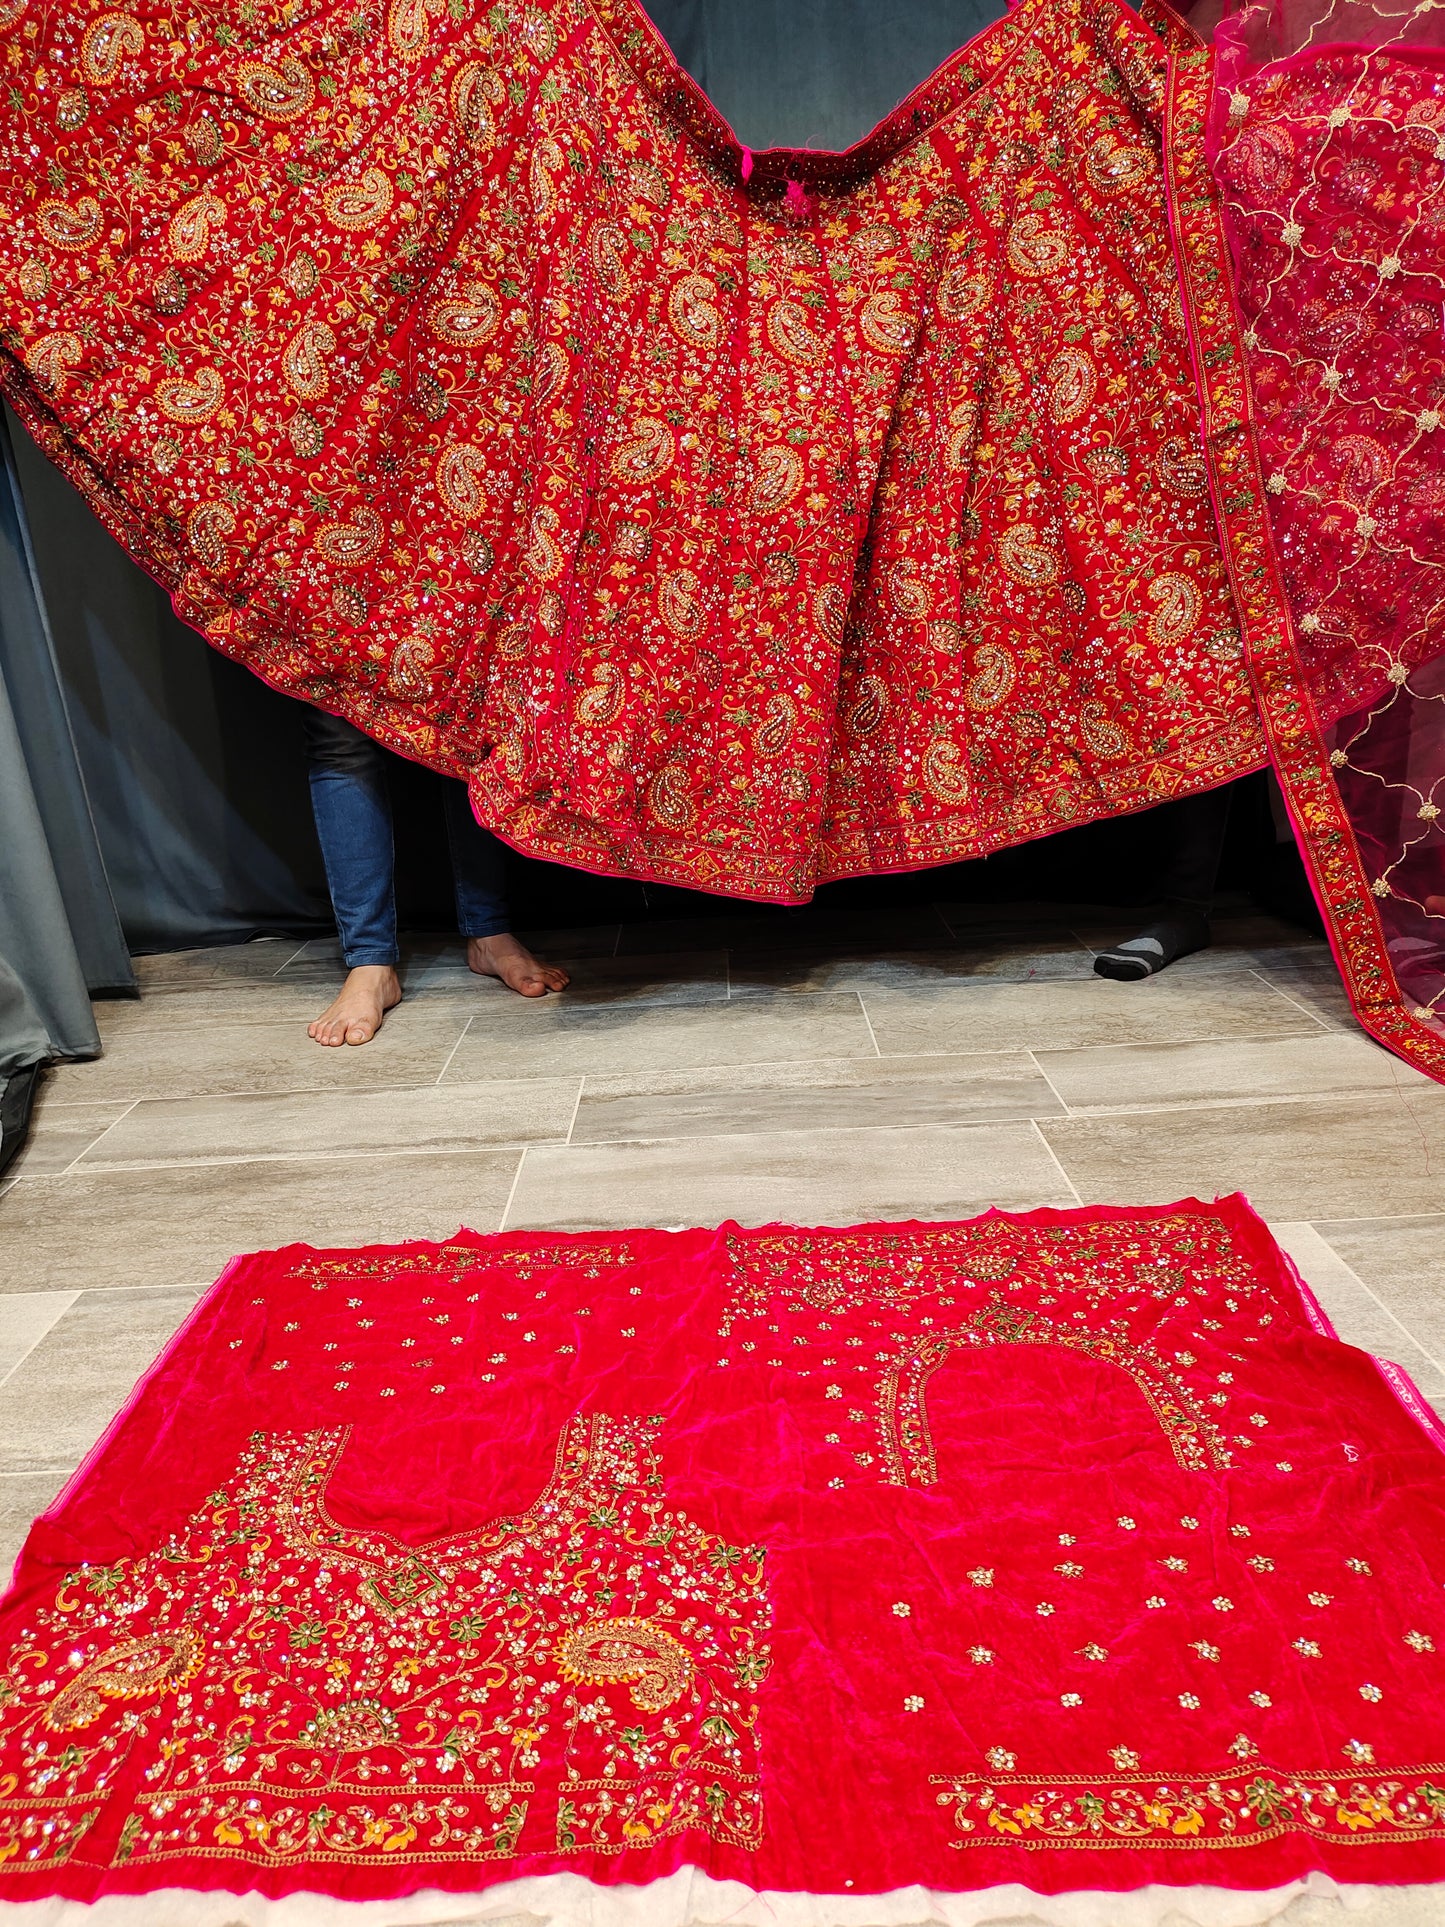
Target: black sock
pixel 1182 928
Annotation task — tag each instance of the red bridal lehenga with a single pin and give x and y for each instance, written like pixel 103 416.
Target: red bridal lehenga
pixel 1059 1552
pixel 742 521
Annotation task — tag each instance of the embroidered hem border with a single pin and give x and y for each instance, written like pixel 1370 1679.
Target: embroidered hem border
pixel 1235 1810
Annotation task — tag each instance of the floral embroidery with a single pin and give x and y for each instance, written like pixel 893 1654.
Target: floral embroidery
pixel 1224 1810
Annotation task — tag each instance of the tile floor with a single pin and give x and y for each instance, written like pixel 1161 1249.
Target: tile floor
pixel 922 1062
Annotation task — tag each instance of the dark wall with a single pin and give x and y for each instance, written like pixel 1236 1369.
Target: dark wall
pixel 813 73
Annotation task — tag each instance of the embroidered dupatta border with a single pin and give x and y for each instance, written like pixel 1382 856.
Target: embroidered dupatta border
pixel 1287 711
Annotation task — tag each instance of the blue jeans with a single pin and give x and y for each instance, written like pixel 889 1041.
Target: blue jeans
pixel 352 807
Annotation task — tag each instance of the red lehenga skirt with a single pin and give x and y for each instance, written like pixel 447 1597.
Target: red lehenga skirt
pixel 739 521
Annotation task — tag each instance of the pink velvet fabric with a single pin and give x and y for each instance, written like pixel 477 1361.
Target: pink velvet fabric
pixel 1065 1549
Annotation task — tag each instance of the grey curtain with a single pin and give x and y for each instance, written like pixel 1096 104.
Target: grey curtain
pixel 194 768
pixel 59 934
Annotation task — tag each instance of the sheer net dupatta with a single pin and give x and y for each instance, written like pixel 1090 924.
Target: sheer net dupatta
pixel 1323 128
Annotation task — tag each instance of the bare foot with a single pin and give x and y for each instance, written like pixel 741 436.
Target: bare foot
pixel 502 956
pixel 370 991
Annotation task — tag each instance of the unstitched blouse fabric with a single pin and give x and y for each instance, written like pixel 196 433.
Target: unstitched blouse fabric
pixel 1065 1550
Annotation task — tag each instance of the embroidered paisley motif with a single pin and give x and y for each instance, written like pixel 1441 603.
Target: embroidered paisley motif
pixel 656 1668
pixel 607 251
pixel 1025 558
pixel 72 228
pixel 945 773
pixel 542 555
pixel 468 319
pixel 189 232
pixel 1181 467
pixel 993 677
pixel 207 527
pixel 680 603
pixel 137 1669
pixel 1113 168
pixel 281 92
pixel 830 612
pixel 1102 736
pixel 668 794
pixel 646 455
pixel 409 671
pixel 406 25
pixel 53 358
pixel 778 481
pixel 352 542
pixel 775 732
pixel 961 294
pixel 792 336
pixel 107 43
pixel 692 312
pixel 547 162
pixel 1072 383
pixel 459 480
pixel 869 706
pixel 191 399
pixel 304 358
pixel 907 594
pixel 883 324
pixel 475 90
pixel 359 204
pixel 1178 604
pixel 1034 249
pixel 601 702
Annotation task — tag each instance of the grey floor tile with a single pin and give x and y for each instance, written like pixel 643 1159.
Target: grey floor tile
pixel 1065 1016
pixel 1314 1158
pixel 223 963
pixel 1356 1313
pixel 689 977
pixel 1402 1260
pixel 25 1318
pixel 60 1400
pixel 845 1094
pixel 826 1177
pixel 1317 991
pixel 211 1006
pixel 175 1225
pixel 23 1497
pixel 555 1038
pixel 1010 955
pixel 166 1060
pixel 457 1117
pixel 1127 1077
pixel 59 1132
